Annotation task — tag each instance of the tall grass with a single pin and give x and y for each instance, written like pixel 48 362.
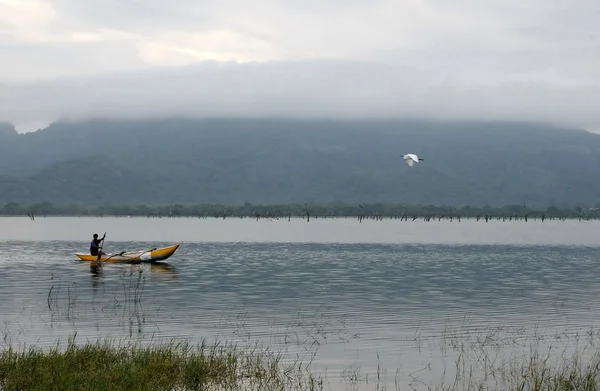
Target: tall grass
pixel 537 373
pixel 178 365
pixel 106 365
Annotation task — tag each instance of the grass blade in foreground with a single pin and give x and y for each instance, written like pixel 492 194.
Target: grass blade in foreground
pixel 175 366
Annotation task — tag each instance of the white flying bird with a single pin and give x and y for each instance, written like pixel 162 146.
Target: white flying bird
pixel 410 159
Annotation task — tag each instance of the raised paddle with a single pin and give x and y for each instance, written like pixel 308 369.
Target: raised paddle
pixel 99 258
pixel 98 262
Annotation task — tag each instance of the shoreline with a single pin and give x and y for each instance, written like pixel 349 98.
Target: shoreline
pixel 366 211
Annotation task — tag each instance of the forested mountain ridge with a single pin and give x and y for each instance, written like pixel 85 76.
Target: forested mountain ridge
pixel 232 161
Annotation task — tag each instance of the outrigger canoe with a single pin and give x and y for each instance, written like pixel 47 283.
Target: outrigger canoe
pixel 153 255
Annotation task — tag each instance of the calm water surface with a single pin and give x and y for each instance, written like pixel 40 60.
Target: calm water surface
pixel 409 296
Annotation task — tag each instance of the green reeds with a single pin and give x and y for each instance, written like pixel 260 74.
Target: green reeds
pixel 178 365
pixel 105 365
pixel 572 373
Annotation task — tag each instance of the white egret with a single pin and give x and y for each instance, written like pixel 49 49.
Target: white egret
pixel 410 159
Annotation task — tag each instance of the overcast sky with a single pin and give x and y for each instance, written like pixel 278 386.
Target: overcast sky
pixel 480 59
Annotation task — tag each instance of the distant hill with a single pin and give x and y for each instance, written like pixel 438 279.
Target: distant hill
pixel 7 130
pixel 232 161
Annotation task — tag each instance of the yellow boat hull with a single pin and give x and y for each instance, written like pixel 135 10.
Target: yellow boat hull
pixel 154 255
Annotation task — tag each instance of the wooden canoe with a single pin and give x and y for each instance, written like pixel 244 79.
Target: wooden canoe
pixel 153 255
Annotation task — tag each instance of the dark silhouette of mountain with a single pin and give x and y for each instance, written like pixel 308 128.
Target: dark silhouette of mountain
pixel 232 161
pixel 7 130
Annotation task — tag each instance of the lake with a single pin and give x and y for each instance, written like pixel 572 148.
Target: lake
pixel 415 299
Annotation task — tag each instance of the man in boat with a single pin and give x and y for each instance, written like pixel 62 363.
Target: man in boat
pixel 95 245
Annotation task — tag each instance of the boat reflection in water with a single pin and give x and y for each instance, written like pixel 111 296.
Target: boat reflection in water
pixel 159 268
pixel 163 268
pixel 96 269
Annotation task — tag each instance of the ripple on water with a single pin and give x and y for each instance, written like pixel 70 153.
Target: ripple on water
pixel 352 301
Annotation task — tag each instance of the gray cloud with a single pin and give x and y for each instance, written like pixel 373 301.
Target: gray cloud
pixel 534 60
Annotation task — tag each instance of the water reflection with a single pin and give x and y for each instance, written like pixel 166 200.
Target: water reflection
pixel 164 268
pixel 158 268
pixel 96 269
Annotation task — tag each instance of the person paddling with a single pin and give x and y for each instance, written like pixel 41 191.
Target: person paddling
pixel 95 245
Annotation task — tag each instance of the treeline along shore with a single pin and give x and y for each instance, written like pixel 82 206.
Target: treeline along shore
pixel 308 211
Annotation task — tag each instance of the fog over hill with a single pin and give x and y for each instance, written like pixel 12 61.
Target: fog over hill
pixel 237 160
